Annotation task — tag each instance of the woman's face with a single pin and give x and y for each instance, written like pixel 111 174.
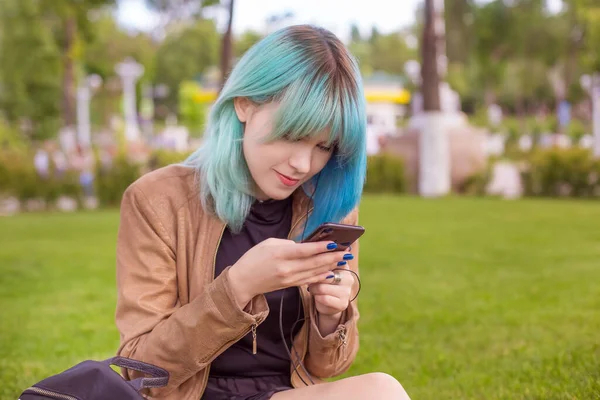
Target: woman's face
pixel 279 167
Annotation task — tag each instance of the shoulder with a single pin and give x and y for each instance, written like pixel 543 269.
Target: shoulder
pixel 167 189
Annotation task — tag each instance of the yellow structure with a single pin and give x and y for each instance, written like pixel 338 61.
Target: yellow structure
pixel 401 96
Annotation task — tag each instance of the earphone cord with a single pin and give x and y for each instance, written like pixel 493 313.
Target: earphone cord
pixel 298 319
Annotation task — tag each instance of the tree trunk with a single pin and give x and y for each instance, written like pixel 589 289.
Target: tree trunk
pixel 68 106
pixel 226 48
pixel 429 69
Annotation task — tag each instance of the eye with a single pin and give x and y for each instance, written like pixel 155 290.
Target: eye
pixel 325 147
pixel 289 138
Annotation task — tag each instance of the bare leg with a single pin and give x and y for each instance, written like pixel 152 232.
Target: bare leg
pixel 369 386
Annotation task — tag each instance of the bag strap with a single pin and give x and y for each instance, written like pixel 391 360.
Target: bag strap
pixel 160 377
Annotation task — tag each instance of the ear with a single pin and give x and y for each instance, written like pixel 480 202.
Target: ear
pixel 243 108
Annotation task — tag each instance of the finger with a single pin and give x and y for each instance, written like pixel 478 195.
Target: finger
pixel 317 268
pixel 304 250
pixel 318 264
pixel 310 277
pixel 329 290
pixel 331 302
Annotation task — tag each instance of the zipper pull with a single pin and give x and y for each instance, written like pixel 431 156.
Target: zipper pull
pixel 254 345
pixel 344 342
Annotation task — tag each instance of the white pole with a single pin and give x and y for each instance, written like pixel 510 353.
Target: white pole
pixel 132 130
pixel 83 115
pixel 130 72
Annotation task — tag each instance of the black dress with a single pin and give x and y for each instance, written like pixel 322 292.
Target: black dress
pixel 237 374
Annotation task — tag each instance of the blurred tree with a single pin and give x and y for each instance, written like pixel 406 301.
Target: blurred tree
pixel 30 65
pixel 174 12
pixel 109 46
pixel 245 41
pixel 459 18
pixel 71 25
pixel 381 52
pixel 429 67
pixel 227 44
pixel 584 35
pixel 191 112
pixel 185 55
pixel 390 52
pixel 361 49
pixel 355 33
pixel 192 10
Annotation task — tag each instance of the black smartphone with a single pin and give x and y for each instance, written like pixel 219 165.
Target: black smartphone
pixel 342 234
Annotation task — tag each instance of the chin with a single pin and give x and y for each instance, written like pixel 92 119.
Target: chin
pixel 278 193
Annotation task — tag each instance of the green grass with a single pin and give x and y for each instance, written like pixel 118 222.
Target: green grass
pixel 461 298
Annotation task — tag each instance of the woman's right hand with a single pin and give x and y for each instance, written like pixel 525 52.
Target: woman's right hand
pixel 278 263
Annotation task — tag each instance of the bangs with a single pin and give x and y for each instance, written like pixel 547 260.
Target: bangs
pixel 312 105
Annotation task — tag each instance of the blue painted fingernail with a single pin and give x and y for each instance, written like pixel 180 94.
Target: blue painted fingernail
pixel 330 276
pixel 348 257
pixel 341 263
pixel 332 246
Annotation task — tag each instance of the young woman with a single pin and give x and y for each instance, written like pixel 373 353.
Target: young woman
pixel 213 283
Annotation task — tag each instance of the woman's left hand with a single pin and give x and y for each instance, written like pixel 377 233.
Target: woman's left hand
pixel 332 300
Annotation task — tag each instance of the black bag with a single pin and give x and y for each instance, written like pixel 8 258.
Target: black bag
pixel 96 380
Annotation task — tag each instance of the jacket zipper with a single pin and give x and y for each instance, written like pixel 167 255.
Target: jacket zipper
pixel 254 346
pixel 255 324
pixel 343 341
pixel 252 328
pixel 213 275
pixel 50 393
pixel 303 297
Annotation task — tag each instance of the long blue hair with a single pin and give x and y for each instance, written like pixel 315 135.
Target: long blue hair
pixel 318 85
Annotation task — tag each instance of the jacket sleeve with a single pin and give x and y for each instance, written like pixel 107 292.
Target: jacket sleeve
pixel 333 354
pixel 154 327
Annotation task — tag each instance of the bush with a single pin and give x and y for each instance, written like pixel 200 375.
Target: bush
pixel 111 183
pixel 561 172
pixel 19 178
pixel 477 183
pixel 385 173
pixel 161 158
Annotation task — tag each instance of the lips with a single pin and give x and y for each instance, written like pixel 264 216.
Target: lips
pixel 286 180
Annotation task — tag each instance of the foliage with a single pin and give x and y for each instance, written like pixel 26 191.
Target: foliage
pixel 381 52
pixel 245 41
pixel 192 113
pixel 185 55
pixel 19 178
pixel 162 158
pixel 29 95
pixel 562 172
pixel 112 182
pixel 385 174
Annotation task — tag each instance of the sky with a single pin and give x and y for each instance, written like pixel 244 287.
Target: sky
pixel 335 15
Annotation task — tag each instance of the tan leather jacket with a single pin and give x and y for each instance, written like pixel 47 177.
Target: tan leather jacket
pixel 171 312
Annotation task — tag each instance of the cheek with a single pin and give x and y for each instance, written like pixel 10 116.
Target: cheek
pixel 319 160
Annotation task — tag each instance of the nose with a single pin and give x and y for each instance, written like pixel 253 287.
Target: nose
pixel 301 159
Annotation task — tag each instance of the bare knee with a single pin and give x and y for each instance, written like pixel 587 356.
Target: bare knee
pixel 385 386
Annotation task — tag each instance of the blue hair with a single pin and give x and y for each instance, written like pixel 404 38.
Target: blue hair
pixel 318 85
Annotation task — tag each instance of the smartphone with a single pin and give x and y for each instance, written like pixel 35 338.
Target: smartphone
pixel 342 234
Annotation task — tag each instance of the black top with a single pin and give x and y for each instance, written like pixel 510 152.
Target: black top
pixel 268 219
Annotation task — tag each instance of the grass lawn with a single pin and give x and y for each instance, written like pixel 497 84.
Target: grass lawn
pixel 461 298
